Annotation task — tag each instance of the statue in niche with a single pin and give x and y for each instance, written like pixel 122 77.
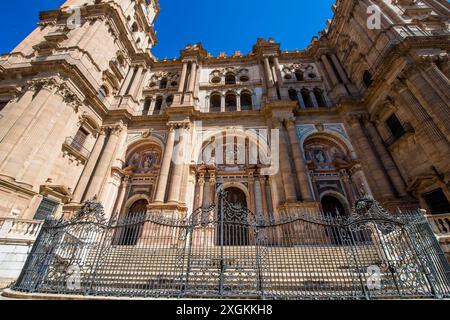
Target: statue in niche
pixel 320 157
pixel 339 160
pixel 147 163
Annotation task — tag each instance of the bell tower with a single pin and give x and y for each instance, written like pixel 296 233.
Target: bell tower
pixel 58 88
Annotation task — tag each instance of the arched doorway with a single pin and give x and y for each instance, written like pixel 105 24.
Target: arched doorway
pixel 234 218
pixel 332 206
pixel 236 197
pixel 129 233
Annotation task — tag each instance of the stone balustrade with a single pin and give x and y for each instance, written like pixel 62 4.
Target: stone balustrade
pixel 440 224
pixel 441 227
pixel 19 229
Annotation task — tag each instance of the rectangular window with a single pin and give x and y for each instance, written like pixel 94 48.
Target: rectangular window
pixel 395 126
pixel 79 139
pixel 437 202
pixel 46 208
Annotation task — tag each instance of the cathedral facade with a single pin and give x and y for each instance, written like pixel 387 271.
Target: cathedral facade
pixel 87 111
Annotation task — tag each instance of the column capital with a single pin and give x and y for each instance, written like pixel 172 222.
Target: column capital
pixel 399 85
pixel 178 125
pixel 115 129
pixel 289 122
pixel 353 119
pixel 276 123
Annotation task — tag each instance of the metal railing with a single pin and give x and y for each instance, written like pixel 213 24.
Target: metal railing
pixel 78 147
pixel 227 251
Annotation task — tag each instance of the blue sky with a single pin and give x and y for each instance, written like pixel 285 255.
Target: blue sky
pixel 221 25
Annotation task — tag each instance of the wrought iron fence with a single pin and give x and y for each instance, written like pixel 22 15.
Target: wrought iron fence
pixel 227 251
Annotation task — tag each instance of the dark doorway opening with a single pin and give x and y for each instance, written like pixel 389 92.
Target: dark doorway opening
pixel 333 208
pixel 129 233
pixel 234 218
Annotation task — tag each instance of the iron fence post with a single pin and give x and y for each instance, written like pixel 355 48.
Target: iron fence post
pixel 222 262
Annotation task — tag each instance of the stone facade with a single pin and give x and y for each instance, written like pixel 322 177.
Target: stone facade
pixel 87 111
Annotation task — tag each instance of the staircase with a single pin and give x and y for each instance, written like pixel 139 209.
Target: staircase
pixel 279 271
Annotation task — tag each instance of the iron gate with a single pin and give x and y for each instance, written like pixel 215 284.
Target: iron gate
pixel 227 251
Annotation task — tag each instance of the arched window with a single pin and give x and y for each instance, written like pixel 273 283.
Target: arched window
pixel 215 102
pixel 318 93
pixel 230 78
pixel 367 79
pixel 215 80
pixel 147 103
pixel 299 75
pixel 230 102
pixel 293 94
pixel 163 83
pixel 307 98
pixel 102 92
pixel 169 100
pixel 134 27
pixel 158 106
pixel 246 100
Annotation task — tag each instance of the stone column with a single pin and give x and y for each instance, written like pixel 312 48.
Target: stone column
pixel 386 159
pixel 12 113
pixel 438 80
pixel 222 103
pixel 370 159
pixel 313 99
pixel 299 161
pixel 199 192
pixel 431 139
pixel 178 165
pixel 183 77
pixel 165 167
pixel 101 171
pixel 265 210
pixel 347 187
pixel 339 68
pixel 329 69
pixel 25 162
pixel 300 99
pixel 285 166
pixel 268 73
pixel 258 198
pixel 270 198
pixel 126 82
pixel 120 200
pixel 192 77
pixel 206 193
pixel 89 168
pixel 44 156
pixel 283 90
pixel 276 62
pixel 212 188
pixel 136 81
pixel 325 77
pixel 15 137
pixel 437 107
pixel 251 191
